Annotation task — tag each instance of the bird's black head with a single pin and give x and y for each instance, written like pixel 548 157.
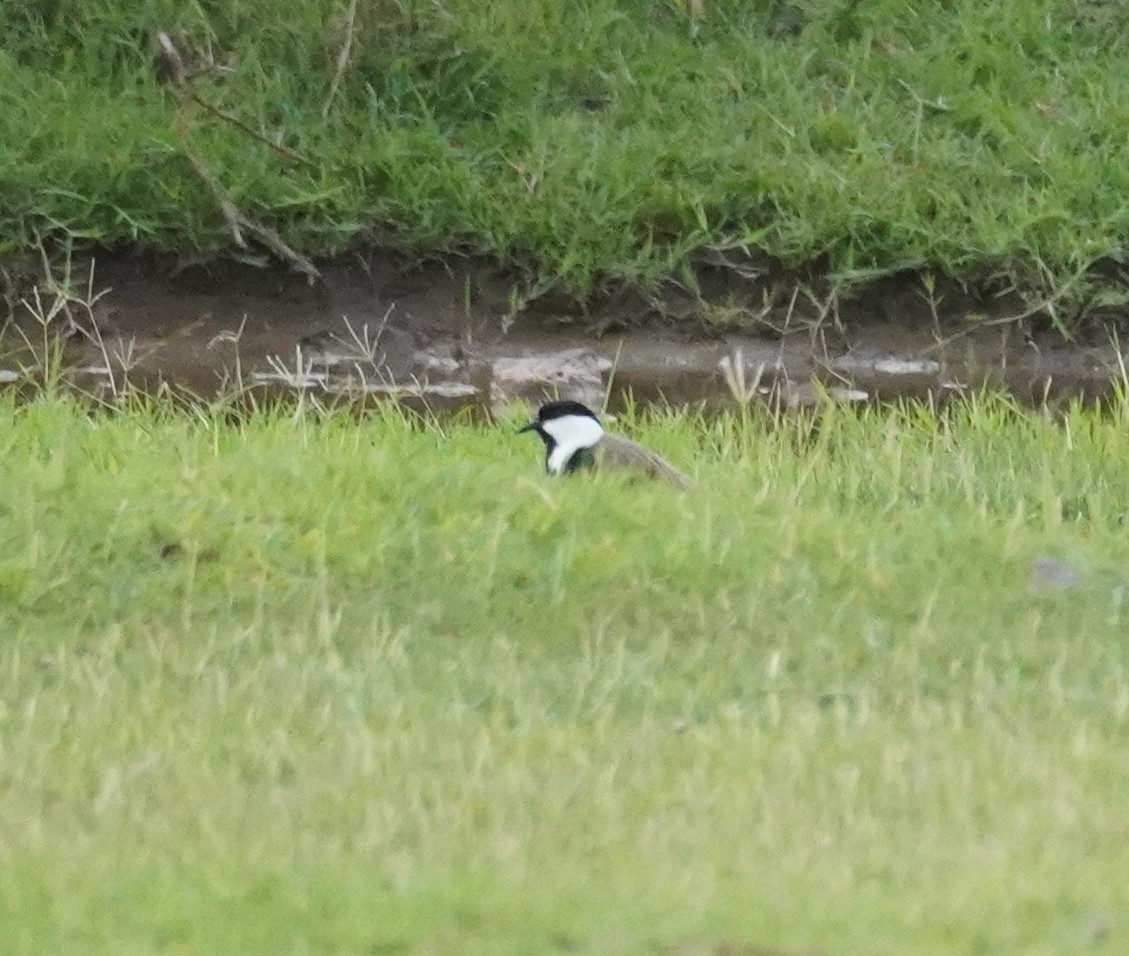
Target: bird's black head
pixel 551 410
pixel 570 431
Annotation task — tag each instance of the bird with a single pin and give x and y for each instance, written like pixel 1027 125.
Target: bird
pixel 575 439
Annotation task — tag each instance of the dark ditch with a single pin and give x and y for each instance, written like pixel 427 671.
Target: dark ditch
pixel 459 333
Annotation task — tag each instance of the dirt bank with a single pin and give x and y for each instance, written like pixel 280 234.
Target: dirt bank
pixel 462 332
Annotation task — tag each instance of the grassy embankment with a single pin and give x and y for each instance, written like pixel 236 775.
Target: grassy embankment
pixel 289 685
pixel 587 140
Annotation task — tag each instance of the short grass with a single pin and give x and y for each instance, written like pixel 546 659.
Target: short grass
pixel 591 140
pixel 286 683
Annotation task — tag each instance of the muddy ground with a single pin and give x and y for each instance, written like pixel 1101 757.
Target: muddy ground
pixel 461 332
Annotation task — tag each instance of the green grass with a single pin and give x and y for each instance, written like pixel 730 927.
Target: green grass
pixel 299 684
pixel 604 139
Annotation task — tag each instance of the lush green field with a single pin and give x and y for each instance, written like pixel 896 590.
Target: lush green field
pixel 301 684
pixel 599 138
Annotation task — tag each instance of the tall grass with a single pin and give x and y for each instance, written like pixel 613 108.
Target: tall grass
pixel 286 683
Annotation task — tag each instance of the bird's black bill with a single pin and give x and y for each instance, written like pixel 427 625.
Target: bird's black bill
pixel 531 427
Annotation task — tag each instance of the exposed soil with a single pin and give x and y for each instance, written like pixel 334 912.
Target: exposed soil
pixel 449 334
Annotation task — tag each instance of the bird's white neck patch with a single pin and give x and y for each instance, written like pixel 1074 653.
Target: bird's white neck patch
pixel 570 433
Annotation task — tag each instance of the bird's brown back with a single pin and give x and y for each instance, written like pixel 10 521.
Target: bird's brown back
pixel 618 452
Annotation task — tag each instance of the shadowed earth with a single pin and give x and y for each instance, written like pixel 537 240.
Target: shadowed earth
pixel 465 333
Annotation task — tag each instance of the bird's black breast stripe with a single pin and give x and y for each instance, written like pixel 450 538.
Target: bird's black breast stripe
pixel 581 458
